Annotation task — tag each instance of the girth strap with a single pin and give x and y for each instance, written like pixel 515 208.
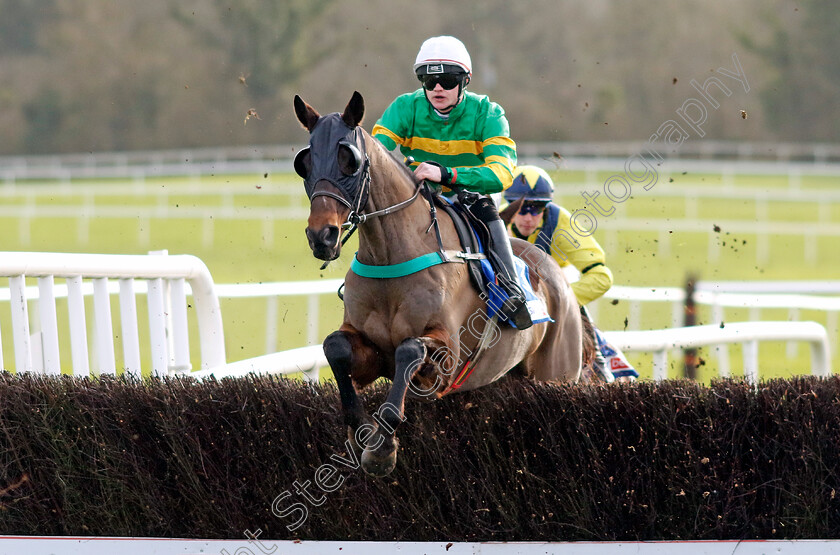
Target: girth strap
pixel 411 266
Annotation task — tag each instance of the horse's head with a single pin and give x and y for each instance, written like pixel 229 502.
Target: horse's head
pixel 335 170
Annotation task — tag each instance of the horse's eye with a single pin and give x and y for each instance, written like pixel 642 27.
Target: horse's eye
pixel 349 159
pixel 303 162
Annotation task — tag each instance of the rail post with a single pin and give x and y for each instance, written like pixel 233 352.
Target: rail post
pixel 690 319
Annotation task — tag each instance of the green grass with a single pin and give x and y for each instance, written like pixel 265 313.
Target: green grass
pixel 248 251
pixel 814 182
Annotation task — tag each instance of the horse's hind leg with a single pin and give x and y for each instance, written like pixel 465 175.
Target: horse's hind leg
pixel 346 350
pixel 559 356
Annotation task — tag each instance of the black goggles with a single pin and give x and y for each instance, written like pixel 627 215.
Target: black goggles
pixel 447 80
pixel 532 208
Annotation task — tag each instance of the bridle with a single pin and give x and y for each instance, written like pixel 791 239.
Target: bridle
pixel 354 189
pixel 329 134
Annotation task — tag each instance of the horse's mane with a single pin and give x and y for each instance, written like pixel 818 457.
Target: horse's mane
pixel 398 159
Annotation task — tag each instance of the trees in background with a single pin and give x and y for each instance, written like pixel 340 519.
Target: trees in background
pixel 77 75
pixel 276 40
pixel 800 98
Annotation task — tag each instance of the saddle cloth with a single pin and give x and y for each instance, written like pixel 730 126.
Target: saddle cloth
pixel 616 361
pixel 496 296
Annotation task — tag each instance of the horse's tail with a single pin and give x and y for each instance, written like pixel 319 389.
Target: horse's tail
pixel 588 353
pixel 510 211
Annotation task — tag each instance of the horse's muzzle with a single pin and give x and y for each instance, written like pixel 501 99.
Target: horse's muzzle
pixel 324 242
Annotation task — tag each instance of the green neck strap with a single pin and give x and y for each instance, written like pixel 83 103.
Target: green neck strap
pixel 397 270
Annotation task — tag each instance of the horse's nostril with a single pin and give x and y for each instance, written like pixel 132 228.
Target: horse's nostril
pixel 330 235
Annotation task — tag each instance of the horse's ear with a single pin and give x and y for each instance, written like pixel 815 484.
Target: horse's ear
pixel 510 211
pixel 306 114
pixel 355 110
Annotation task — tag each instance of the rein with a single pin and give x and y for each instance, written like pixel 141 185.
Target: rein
pixel 423 261
pixel 357 217
pixel 414 265
pixel 354 193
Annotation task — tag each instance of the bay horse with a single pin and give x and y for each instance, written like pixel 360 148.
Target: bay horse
pixel 415 329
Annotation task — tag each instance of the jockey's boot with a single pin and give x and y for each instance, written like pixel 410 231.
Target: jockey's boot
pixel 514 308
pixel 599 363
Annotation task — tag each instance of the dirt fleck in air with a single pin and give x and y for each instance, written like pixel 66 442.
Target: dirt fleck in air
pixel 252 113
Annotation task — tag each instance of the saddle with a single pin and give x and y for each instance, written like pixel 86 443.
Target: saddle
pixel 473 235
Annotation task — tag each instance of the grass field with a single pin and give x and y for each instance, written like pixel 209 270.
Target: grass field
pixel 268 249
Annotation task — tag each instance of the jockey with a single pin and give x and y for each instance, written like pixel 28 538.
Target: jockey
pixel 460 140
pixel 547 225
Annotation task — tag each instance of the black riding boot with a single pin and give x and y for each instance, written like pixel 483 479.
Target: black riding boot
pixel 514 308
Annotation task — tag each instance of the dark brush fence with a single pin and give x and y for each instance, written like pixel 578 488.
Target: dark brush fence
pixel 514 461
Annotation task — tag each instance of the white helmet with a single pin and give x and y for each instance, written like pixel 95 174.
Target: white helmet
pixel 442 55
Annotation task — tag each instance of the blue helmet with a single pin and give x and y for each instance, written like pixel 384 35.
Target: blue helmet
pixel 530 182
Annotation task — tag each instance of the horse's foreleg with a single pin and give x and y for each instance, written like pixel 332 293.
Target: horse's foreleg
pixel 345 350
pixel 380 455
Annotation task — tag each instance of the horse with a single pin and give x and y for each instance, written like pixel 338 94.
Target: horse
pixel 415 329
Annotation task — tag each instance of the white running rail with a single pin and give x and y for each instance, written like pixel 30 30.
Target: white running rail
pixel 657 341
pixel 308 360
pixel 164 279
pixel 766 295
pixel 748 333
pixel 167 280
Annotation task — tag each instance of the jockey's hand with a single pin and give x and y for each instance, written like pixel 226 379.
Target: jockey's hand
pixel 427 171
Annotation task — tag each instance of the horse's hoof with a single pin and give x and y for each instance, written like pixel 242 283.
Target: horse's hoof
pixel 377 465
pixel 358 448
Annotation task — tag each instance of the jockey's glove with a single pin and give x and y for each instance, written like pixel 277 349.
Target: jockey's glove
pixel 445 173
